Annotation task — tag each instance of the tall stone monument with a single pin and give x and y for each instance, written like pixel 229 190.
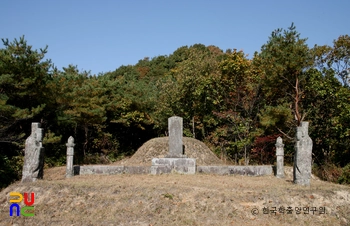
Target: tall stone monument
pixel 33 167
pixel 280 158
pixel 70 153
pixel 302 156
pixel 175 127
pixel 176 160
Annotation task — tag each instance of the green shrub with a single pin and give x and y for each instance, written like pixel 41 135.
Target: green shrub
pixel 11 169
pixel 345 176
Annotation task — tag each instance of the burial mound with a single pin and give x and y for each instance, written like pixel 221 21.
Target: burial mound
pixel 159 147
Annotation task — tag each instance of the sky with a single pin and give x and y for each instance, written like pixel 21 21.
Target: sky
pixel 100 36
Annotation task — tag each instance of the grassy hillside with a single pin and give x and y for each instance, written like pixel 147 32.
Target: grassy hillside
pixel 176 200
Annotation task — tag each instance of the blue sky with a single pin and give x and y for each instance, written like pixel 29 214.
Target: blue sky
pixel 100 36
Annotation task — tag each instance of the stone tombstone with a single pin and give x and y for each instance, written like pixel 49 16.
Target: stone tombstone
pixel 280 158
pixel 302 156
pixel 175 161
pixel 70 153
pixel 175 128
pixel 33 167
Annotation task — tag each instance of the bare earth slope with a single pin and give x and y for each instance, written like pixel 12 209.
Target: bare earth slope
pixel 176 200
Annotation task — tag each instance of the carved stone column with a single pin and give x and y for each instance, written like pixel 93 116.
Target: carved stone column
pixel 33 167
pixel 302 156
pixel 280 158
pixel 70 153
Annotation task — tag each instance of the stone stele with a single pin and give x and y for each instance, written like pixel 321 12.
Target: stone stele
pixel 175 137
pixel 33 167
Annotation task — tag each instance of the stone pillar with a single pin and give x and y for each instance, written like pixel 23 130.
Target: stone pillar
pixel 175 137
pixel 33 167
pixel 70 153
pixel 280 158
pixel 302 156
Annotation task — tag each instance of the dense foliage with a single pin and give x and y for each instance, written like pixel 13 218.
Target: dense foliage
pixel 237 105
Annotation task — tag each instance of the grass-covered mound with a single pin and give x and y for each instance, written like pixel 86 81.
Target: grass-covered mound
pixel 159 148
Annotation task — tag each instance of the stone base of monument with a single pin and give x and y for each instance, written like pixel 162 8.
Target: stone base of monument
pixel 173 165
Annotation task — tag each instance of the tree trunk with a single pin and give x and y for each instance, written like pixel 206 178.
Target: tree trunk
pixel 296 99
pixel 194 135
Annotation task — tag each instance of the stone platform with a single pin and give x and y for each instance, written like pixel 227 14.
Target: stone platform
pixel 160 167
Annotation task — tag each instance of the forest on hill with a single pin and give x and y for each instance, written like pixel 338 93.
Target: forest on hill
pixel 237 105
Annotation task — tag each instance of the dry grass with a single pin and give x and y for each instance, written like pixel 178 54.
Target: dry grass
pixel 175 200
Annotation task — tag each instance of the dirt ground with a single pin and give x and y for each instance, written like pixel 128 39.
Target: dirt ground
pixel 178 200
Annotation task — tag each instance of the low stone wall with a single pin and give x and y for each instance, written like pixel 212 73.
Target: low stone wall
pixel 110 170
pixel 239 170
pixel 219 170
